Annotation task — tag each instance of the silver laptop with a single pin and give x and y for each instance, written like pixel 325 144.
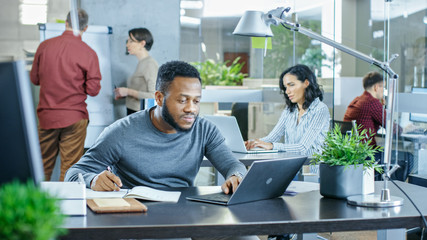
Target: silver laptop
pixel 229 128
pixel 265 179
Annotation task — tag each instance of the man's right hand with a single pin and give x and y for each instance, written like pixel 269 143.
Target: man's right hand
pixel 120 92
pixel 106 181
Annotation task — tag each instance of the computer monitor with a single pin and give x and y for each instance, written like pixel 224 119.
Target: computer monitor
pixel 19 144
pixel 418 117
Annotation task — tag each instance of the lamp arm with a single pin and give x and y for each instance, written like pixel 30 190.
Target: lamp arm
pixel 385 66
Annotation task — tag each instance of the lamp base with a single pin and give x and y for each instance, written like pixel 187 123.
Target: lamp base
pixel 374 200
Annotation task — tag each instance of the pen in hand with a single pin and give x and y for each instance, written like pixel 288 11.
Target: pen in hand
pixel 109 169
pixel 81 179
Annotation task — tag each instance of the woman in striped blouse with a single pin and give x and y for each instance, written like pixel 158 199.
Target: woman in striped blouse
pixel 304 122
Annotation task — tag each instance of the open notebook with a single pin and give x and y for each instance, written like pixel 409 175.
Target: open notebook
pixel 229 128
pixel 140 192
pixel 265 179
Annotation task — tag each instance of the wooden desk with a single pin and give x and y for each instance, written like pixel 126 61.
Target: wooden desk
pixel 306 212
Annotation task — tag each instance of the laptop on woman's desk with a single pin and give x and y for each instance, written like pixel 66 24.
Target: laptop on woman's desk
pixel 229 128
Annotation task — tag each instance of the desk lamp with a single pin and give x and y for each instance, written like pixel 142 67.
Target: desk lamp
pixel 257 24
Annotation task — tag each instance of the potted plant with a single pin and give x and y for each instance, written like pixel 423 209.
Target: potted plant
pixel 344 161
pixel 26 212
pixel 219 74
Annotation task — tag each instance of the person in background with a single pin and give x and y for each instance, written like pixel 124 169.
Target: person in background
pixel 367 109
pixel 67 70
pixel 162 146
pixel 141 85
pixel 304 123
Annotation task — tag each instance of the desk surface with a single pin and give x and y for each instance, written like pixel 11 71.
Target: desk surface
pixel 305 212
pixel 419 138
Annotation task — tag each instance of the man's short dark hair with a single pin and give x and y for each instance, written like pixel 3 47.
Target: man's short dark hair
pixel 142 34
pixel 170 70
pixel 83 19
pixel 372 78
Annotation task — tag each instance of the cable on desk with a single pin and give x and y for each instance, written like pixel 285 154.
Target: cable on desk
pixel 418 210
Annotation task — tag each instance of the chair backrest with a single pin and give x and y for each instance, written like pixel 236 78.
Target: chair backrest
pixel 406 162
pixel 345 126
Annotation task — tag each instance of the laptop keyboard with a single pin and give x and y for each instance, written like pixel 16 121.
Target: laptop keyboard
pixel 219 197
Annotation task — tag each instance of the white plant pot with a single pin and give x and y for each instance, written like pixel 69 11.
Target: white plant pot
pixel 368 186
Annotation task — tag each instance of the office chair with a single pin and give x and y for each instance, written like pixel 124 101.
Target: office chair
pixel 345 126
pixel 405 160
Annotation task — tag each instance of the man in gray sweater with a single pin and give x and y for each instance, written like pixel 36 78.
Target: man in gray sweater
pixel 163 146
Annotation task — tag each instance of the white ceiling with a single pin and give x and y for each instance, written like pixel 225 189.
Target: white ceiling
pixel 229 11
pixel 308 8
pixel 234 8
pixel 396 8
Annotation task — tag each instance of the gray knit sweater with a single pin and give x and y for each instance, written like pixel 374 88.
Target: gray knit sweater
pixel 142 155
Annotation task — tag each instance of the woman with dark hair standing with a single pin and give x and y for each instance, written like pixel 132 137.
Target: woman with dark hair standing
pixel 142 84
pixel 305 120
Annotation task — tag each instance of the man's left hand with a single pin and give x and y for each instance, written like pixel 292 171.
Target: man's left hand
pixel 230 185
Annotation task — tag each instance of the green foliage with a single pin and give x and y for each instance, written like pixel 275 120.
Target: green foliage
pixel 313 58
pixel 280 57
pixel 26 212
pixel 218 73
pixel 344 149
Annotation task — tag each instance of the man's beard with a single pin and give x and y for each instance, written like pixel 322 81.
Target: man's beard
pixel 169 119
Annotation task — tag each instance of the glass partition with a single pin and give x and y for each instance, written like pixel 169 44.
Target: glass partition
pixel 377 28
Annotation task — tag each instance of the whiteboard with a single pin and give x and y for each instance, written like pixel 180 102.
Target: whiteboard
pixel 100 107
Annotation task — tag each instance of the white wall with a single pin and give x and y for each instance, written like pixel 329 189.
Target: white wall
pixel 160 17
pixel 15 37
pixel 345 89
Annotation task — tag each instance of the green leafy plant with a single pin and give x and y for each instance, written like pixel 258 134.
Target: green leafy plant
pixel 348 149
pixel 313 58
pixel 284 52
pixel 218 73
pixel 26 212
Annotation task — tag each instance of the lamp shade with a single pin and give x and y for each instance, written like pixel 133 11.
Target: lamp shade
pixel 253 24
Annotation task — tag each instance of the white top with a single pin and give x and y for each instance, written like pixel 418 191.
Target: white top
pixel 305 137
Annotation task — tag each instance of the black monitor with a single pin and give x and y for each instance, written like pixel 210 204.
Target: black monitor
pixel 418 117
pixel 19 144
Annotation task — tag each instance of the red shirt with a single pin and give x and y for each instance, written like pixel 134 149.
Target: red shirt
pixel 368 112
pixel 67 70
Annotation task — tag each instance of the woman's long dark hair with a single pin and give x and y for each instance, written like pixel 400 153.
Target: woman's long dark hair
pixel 313 91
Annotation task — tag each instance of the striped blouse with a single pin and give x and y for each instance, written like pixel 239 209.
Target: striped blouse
pixel 304 138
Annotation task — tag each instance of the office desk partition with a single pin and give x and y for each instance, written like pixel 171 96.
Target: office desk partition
pixel 247 159
pixel 419 153
pixel 306 212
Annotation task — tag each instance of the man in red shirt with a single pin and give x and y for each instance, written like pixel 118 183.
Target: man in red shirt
pixel 67 70
pixel 367 109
